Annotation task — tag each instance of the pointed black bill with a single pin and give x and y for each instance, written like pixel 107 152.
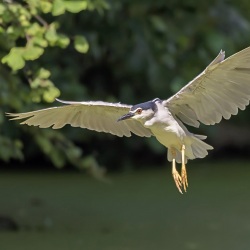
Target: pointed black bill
pixel 127 116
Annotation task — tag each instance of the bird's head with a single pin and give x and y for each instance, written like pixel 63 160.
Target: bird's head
pixel 143 111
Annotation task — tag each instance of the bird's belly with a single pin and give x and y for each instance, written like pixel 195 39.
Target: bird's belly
pixel 169 137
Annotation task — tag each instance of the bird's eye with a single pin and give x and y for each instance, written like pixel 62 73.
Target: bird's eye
pixel 139 111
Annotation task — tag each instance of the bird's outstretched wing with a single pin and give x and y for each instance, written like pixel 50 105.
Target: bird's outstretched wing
pixel 94 115
pixel 219 91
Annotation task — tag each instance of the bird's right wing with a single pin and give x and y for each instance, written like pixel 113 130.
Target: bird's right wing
pixel 219 91
pixel 94 115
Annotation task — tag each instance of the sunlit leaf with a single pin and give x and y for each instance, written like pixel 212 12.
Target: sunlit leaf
pixel 32 52
pixel 2 9
pixel 45 6
pixel 63 41
pixel 34 29
pixel 75 6
pixel 81 44
pixel 58 7
pixel 14 31
pixel 39 41
pixel 24 21
pixel 15 58
pixel 43 73
pixel 50 94
pixel 35 83
pixel 51 35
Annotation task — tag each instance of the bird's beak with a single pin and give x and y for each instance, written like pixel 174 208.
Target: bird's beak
pixel 127 116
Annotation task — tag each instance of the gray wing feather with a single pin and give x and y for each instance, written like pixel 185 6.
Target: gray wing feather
pixel 98 116
pixel 218 92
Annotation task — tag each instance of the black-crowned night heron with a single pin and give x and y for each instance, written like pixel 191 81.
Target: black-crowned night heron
pixel 219 91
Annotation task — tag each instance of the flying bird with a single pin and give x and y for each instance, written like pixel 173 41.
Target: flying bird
pixel 218 92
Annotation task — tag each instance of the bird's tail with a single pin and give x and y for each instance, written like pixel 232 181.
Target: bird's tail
pixel 195 147
pixel 199 147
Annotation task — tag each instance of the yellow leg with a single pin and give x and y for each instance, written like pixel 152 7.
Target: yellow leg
pixel 183 169
pixel 176 175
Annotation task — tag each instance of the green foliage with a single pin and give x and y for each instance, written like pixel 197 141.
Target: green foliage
pixel 128 51
pixel 25 22
pixel 81 44
pixel 10 148
pixel 25 36
pixel 15 58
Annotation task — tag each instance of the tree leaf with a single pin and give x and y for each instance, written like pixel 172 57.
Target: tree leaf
pixel 58 7
pixel 63 41
pixel 32 52
pixel 35 29
pixel 43 73
pixel 81 44
pixel 14 32
pixel 51 35
pixel 75 6
pixel 50 94
pixel 45 6
pixel 40 41
pixel 2 9
pixel 15 59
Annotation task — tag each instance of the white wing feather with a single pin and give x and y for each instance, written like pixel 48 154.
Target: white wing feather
pixel 98 116
pixel 219 91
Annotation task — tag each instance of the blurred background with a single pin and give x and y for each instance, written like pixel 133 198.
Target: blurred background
pixel 74 188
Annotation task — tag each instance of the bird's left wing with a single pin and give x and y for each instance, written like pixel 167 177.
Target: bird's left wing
pixel 93 115
pixel 219 91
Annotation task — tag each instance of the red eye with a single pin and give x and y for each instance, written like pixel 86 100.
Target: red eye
pixel 139 111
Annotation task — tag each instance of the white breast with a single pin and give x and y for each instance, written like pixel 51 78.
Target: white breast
pixel 165 128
